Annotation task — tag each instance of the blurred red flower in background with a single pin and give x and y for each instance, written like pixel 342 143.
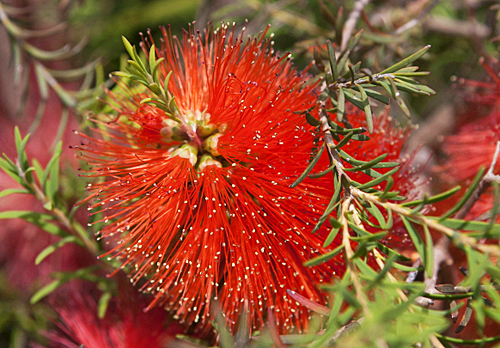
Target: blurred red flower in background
pixel 203 207
pixel 474 144
pixel 125 324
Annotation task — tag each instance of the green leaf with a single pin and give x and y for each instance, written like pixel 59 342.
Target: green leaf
pixel 38 170
pixel 378 180
pixel 373 94
pixel 331 205
pixel 415 237
pixel 331 236
pixel 20 147
pixel 50 180
pixel 375 211
pixel 7 192
pixel 390 252
pixel 311 120
pixel 53 247
pixel 324 258
pixel 366 108
pixel 369 164
pixel 429 252
pixel 102 306
pixel 308 168
pixel 371 237
pixel 344 141
pixel 434 199
pixel 341 105
pixel 46 290
pixel 466 196
pixel 333 60
pixel 10 168
pixel 466 225
pixel 399 99
pixel 38 219
pixel 494 210
pixel 407 61
pixel 352 96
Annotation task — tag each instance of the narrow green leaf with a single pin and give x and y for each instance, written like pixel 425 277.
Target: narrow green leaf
pixel 344 141
pixel 366 108
pixel 10 168
pixel 372 237
pixel 333 60
pixel 341 105
pixel 324 258
pixel 39 219
pixel 311 120
pixel 308 168
pixel 46 290
pixel 102 306
pixel 152 58
pixel 378 180
pixel 331 236
pixel 50 180
pixel 390 252
pixel 374 94
pixel 466 225
pixel 429 252
pixel 353 42
pixel 409 88
pixel 387 87
pixel 407 61
pixel 7 192
pixel 399 99
pixel 331 205
pixel 389 263
pixel 415 237
pixel 466 196
pixel 351 95
pixel 20 147
pixel 434 199
pixel 494 210
pixel 38 170
pixel 323 173
pixel 128 47
pixel 342 62
pixel 53 247
pixel 369 164
pixel 122 74
pixel 375 211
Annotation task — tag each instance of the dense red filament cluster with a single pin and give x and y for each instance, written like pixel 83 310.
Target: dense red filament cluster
pixel 212 216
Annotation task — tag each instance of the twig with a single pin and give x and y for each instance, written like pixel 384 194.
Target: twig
pixel 461 238
pixel 410 24
pixel 351 21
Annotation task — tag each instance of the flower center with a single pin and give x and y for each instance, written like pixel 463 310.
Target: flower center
pixel 197 139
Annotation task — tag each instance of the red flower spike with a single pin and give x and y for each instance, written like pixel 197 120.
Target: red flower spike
pixel 203 208
pixel 474 144
pixel 125 325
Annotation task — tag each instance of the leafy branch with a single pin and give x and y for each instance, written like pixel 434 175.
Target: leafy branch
pixel 43 184
pixel 147 75
pixel 345 81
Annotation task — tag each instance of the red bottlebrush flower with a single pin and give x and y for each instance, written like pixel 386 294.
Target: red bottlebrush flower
pixel 125 324
pixel 474 144
pixel 207 212
pixel 203 207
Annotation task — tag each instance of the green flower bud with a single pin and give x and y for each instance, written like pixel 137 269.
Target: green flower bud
pixel 207 160
pixel 188 152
